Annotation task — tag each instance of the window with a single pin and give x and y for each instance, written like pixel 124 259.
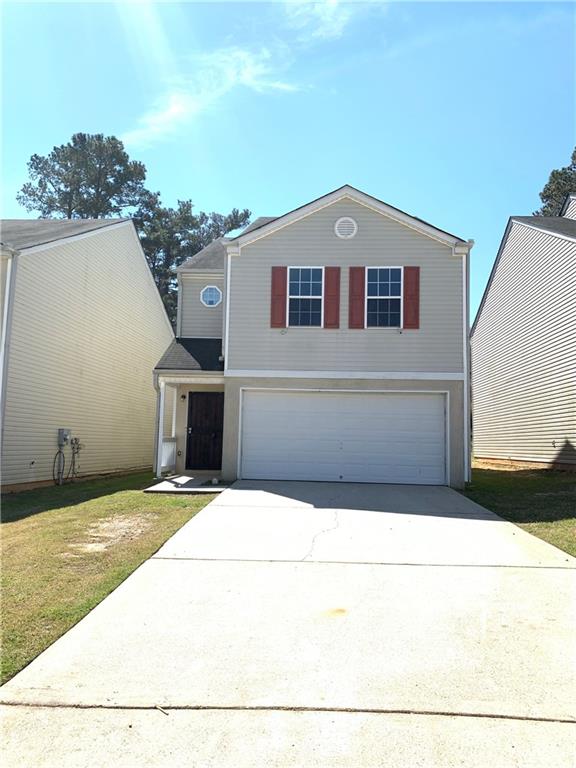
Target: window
pixel 383 297
pixel 211 296
pixel 305 295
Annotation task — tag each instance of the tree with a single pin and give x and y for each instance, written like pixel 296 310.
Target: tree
pixel 91 177
pixel 169 236
pixel 562 182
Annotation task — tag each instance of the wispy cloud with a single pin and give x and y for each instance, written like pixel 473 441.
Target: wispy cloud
pixel 185 96
pixel 323 20
pixel 215 75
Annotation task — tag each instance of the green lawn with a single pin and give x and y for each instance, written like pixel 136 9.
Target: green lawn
pixel 64 549
pixel 543 502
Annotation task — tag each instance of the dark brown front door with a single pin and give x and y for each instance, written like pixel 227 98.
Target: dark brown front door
pixel 205 422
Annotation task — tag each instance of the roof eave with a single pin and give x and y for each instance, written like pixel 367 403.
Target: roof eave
pixel 357 196
pixel 114 223
pixel 566 203
pixel 492 274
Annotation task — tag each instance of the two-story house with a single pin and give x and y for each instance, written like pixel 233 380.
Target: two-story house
pixel 523 345
pixel 330 343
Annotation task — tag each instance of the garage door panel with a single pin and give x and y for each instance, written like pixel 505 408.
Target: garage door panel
pixel 357 437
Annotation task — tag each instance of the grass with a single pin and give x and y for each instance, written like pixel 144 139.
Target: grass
pixel 543 502
pixel 64 549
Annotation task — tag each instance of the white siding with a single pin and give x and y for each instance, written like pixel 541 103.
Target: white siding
pixel 570 212
pixel 87 329
pixel 197 320
pixel 524 352
pixel 436 346
pixel 169 403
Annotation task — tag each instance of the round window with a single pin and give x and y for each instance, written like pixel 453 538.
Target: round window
pixel 211 296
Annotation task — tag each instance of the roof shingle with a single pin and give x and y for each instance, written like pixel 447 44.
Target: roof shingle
pixel 558 225
pixel 213 256
pixel 192 355
pixel 28 233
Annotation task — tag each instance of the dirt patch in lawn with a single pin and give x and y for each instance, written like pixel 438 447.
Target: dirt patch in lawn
pixel 110 531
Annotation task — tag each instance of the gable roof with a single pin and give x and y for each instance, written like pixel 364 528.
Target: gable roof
pixel 261 221
pixel 213 256
pixel 29 233
pixel 192 355
pixel 555 225
pixel 270 224
pixel 566 203
pixel 541 223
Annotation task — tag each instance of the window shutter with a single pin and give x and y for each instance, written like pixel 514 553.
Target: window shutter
pixel 331 297
pixel 356 297
pixel 278 297
pixel 411 297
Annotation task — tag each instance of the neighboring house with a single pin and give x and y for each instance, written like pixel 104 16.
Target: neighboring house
pixel 330 343
pixel 524 345
pixel 82 326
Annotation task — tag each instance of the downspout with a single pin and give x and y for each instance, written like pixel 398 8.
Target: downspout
pixel 465 252
pixel 157 446
pixel 7 308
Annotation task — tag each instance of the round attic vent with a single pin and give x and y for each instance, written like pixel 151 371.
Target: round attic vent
pixel 345 228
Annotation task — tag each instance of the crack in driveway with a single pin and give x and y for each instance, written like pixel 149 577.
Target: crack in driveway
pixel 321 533
pixel 166 708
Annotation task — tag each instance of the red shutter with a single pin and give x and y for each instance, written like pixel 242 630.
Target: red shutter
pixel 278 297
pixel 356 297
pixel 411 297
pixel 331 297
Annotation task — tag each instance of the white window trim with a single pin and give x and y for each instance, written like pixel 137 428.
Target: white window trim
pixel 216 288
pixel 288 297
pixel 401 297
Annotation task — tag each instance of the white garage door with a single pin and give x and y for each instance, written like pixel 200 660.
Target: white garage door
pixel 348 436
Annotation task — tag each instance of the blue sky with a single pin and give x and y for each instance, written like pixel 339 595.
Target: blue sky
pixel 455 112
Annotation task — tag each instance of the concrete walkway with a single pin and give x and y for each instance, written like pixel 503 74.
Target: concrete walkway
pixel 317 624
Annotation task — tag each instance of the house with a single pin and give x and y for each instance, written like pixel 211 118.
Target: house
pixel 82 326
pixel 330 343
pixel 524 345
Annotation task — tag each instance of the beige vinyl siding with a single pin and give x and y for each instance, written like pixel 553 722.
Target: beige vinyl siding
pixel 87 329
pixel 524 352
pixel 437 346
pixel 197 320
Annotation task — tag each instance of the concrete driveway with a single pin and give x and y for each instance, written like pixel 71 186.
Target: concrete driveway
pixel 317 624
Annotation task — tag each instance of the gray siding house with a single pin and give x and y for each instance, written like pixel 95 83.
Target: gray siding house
pixel 82 326
pixel 330 343
pixel 524 345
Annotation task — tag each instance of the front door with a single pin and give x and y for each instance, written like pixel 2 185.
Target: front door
pixel 204 434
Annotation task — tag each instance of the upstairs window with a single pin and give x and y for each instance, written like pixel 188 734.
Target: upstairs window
pixel 383 297
pixel 211 296
pixel 305 296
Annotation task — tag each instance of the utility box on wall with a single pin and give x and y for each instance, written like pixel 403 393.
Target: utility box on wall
pixel 64 436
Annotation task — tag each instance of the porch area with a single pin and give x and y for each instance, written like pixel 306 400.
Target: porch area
pixel 188 450
pixel 189 380
pixel 200 482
